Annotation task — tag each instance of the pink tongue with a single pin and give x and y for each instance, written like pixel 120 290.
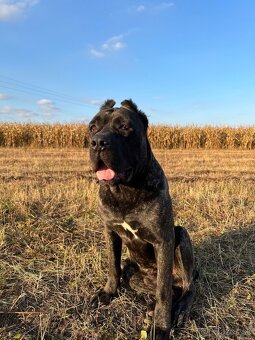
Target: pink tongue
pixel 106 174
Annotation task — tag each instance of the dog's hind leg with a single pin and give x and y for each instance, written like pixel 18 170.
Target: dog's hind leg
pixel 142 281
pixel 184 275
pixel 128 269
pixel 181 309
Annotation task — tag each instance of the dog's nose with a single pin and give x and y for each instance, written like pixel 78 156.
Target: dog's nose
pixel 99 142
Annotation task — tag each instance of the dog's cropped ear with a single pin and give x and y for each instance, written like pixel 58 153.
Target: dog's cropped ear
pixel 108 104
pixel 130 105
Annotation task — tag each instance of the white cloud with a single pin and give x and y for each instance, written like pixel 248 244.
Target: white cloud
pixel 93 101
pixel 4 96
pixel 112 44
pixel 140 8
pixel 47 107
pixel 164 5
pixel 10 9
pixel 13 112
pixel 96 53
pixel 160 6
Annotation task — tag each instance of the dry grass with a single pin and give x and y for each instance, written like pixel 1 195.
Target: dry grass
pixel 52 252
pixel 161 137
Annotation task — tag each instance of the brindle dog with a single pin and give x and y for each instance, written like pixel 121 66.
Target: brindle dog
pixel 137 211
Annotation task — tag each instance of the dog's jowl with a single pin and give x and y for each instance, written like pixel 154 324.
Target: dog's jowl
pixel 136 209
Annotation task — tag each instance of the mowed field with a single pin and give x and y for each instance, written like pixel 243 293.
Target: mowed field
pixel 53 254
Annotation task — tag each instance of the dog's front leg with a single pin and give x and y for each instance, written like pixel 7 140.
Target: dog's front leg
pixel 114 245
pixel 162 312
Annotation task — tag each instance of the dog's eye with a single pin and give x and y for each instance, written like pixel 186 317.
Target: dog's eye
pixel 93 128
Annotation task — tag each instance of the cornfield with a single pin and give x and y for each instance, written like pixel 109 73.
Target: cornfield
pixel 161 137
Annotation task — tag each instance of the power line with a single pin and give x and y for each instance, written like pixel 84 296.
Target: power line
pixel 20 86
pixel 15 86
pixel 31 92
pixel 39 88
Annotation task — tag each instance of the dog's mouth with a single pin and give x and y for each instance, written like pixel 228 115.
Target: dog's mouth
pixel 105 173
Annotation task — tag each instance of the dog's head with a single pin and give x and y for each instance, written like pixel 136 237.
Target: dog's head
pixel 119 148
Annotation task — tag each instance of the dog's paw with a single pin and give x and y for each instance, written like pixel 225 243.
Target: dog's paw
pixel 101 297
pixel 157 333
pixel 180 315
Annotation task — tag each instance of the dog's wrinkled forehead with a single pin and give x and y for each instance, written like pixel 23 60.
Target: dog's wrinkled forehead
pixel 128 107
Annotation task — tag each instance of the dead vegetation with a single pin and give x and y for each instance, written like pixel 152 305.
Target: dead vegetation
pixel 161 137
pixel 52 251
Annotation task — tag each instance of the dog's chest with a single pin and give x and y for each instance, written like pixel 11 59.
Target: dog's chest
pixel 132 230
pixel 127 228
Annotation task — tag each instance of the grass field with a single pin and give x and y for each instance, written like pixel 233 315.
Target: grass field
pixel 52 251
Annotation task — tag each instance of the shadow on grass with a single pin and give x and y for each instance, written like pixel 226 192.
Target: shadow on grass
pixel 226 259
pixel 223 303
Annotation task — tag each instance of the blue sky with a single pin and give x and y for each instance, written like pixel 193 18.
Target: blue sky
pixel 182 61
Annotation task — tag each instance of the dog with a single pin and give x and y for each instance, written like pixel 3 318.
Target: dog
pixel 136 208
